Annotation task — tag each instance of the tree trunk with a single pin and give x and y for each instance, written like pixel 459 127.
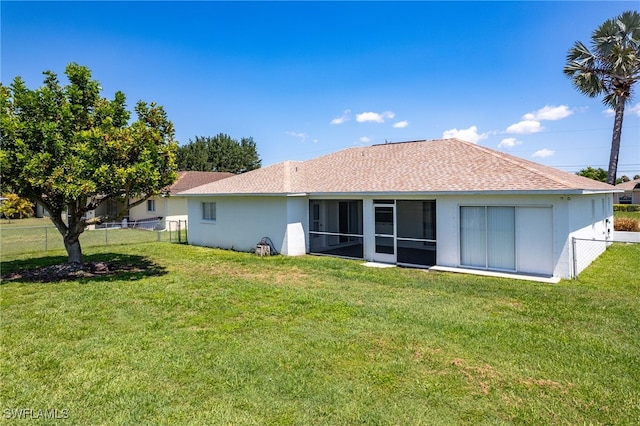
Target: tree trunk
pixel 615 141
pixel 74 251
pixel 70 233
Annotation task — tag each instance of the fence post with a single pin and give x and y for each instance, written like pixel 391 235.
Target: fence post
pixel 46 239
pixel 106 235
pixel 179 231
pixel 575 259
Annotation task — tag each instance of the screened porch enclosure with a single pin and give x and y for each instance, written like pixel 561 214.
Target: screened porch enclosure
pixel 402 232
pixel 335 228
pixel 416 232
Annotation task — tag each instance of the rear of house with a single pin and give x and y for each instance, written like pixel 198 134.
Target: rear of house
pixel 444 203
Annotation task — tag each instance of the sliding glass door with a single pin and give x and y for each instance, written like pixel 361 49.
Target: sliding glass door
pixel 487 237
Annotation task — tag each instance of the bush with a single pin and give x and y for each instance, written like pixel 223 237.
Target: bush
pixel 626 207
pixel 15 207
pixel 626 224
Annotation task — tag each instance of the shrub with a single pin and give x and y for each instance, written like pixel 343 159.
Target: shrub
pixel 626 224
pixel 626 207
pixel 15 207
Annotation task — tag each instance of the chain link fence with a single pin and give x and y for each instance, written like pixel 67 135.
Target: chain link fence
pixel 19 240
pixel 584 251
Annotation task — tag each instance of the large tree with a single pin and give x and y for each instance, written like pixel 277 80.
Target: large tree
pixel 598 174
pixel 610 68
pixel 220 153
pixel 69 149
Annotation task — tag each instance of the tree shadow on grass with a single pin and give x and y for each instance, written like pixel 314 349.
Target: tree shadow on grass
pixel 97 267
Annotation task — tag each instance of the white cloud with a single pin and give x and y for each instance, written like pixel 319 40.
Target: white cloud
pixel 344 117
pixel 365 139
pixel 374 116
pixel 301 136
pixel 401 124
pixel 635 109
pixel 471 134
pixel 543 153
pixel 549 113
pixel 525 127
pixel 509 143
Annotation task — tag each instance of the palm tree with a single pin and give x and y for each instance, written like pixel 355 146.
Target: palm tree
pixel 611 67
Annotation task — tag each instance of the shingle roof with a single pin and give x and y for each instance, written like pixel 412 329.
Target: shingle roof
pixel 188 180
pixel 629 186
pixel 446 165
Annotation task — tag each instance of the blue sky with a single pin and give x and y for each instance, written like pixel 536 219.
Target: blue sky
pixel 309 78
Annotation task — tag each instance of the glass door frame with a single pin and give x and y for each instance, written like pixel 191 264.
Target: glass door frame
pixel 385 257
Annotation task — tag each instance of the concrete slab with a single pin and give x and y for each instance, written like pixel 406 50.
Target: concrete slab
pixel 378 265
pixel 540 279
pixel 626 237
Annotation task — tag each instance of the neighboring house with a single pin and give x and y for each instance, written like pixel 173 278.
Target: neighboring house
pixel 173 207
pixel 631 194
pixel 447 202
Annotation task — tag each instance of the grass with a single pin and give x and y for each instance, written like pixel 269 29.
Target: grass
pixel 34 235
pixel 218 337
pixel 632 215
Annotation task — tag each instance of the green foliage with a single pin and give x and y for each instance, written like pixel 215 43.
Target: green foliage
pixel 220 153
pixel 626 207
pixel 67 147
pixel 15 207
pixel 610 68
pixel 593 173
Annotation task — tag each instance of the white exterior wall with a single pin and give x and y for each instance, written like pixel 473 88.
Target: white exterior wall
pixel 172 208
pixel 572 216
pixel 589 217
pixel 295 237
pixel 448 227
pixel 140 212
pixel 241 222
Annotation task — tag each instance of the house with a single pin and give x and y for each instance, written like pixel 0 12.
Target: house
pixel 631 194
pixel 158 211
pixel 173 208
pixel 444 203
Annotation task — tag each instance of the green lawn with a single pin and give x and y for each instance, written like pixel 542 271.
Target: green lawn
pixel 218 337
pixel 35 235
pixel 633 215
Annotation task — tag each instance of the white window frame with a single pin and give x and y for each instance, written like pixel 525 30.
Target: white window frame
pixel 151 205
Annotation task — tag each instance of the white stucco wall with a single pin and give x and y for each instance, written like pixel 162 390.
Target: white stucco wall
pixel 448 226
pixel 294 239
pixel 572 216
pixel 241 222
pixel 590 221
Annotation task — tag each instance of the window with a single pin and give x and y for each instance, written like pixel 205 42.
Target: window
pixel 208 211
pixel 151 205
pixel 487 237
